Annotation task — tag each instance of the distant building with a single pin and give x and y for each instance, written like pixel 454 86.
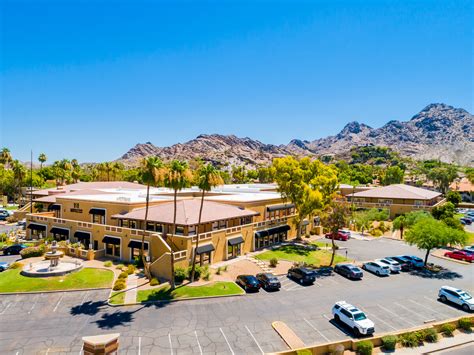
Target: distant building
pixel 397 198
pixel 465 188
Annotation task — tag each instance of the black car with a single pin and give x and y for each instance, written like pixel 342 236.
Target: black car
pixel 350 271
pixel 404 264
pixel 248 282
pixel 466 220
pixel 268 281
pixel 302 275
pixel 14 249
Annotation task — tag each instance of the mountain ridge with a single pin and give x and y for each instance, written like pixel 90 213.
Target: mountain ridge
pixel 438 131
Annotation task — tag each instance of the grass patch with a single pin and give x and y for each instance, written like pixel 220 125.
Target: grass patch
pixel 13 281
pixel 219 288
pixel 117 297
pixel 297 253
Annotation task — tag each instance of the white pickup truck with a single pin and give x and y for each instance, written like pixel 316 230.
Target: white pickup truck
pixel 353 318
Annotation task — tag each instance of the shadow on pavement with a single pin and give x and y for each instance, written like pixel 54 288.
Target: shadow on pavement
pixel 112 320
pixel 89 308
pixel 441 275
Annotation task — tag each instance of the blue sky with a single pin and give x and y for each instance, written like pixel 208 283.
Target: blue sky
pixel 90 79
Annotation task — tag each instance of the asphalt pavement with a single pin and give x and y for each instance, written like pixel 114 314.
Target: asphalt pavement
pixel 55 323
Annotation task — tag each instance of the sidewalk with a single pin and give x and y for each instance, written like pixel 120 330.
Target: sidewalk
pixel 443 344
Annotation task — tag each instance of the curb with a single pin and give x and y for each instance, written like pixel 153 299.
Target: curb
pixel 53 291
pixel 451 259
pixel 450 347
pixel 174 300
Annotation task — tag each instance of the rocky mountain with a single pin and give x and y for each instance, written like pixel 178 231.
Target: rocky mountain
pixel 438 131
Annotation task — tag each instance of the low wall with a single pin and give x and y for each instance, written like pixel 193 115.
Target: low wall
pixel 351 344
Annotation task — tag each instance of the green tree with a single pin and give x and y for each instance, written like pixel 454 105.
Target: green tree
pixel 152 174
pixel 393 175
pixel 309 185
pixel 265 174
pixel 429 234
pixel 407 220
pixel 42 159
pixel 470 174
pixel 178 177
pixel 19 174
pixel 6 157
pixel 454 197
pixel 335 218
pixel 239 175
pixel 443 176
pixel 444 211
pixel 207 177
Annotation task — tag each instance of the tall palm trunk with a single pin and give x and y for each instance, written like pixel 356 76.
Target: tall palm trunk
pixel 197 236
pixel 145 222
pixel 298 231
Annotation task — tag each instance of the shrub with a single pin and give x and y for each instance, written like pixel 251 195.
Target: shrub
pixel 119 285
pixel 420 336
pixel 119 267
pixel 448 329
pixel 31 252
pixel 131 269
pixel 15 265
pixel 389 342
pixel 430 335
pixel 219 271
pixel 123 275
pixel 154 282
pixel 304 352
pixel 197 272
pixel 364 347
pixel 138 261
pixel 206 275
pixel 409 340
pixel 336 349
pixel 383 228
pixel 224 268
pixel 307 235
pixel 464 323
pixel 273 262
pixel 314 231
pixel 108 264
pixel 180 274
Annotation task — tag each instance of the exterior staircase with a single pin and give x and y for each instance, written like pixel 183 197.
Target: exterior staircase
pixel 261 264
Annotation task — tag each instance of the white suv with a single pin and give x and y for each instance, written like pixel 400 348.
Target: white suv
pixel 392 264
pixel 353 318
pixel 377 268
pixel 457 296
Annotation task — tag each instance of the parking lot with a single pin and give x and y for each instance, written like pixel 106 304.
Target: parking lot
pixel 55 323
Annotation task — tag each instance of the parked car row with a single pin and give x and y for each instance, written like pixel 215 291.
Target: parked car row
pixel 267 281
pixel 468 217
pixel 463 255
pixel 343 235
pixel 355 319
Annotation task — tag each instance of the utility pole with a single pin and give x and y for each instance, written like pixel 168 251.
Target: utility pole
pixel 31 182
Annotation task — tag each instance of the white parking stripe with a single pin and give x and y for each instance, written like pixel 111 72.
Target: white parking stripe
pixel 317 283
pixel 429 308
pixel 34 304
pixel 379 319
pixel 6 307
pixel 312 326
pixel 199 344
pixel 396 315
pixel 255 340
pixel 410 310
pixel 228 344
pixel 59 301
pixel 83 299
pixel 171 344
pixel 139 345
pixel 325 316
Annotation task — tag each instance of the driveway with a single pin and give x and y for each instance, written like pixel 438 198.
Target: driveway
pixel 49 323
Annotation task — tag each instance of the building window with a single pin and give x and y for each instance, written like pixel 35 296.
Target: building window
pixel 150 226
pixel 419 203
pixel 179 230
pixel 215 226
pixel 233 251
pixel 385 201
pixel 205 258
pixel 222 224
pixel 97 218
pixel 112 249
pixel 192 230
pixel 132 224
pixel 159 228
pixel 76 205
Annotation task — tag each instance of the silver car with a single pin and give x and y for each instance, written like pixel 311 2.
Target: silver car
pixel 377 268
pixel 394 266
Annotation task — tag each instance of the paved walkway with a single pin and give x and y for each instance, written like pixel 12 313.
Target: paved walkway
pixel 443 344
pixel 131 292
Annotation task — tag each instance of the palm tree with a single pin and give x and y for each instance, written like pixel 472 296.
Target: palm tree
pixel 207 177
pixel 107 169
pixel 177 178
pixel 65 169
pixel 152 173
pixel 19 173
pixel 117 169
pixel 42 159
pixel 76 173
pixel 6 157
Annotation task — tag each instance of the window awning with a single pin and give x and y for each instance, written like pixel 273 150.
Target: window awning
pixel 99 211
pixel 60 231
pixel 111 240
pixel 37 227
pixel 135 244
pixel 305 222
pixel 274 230
pixel 205 249
pixel 54 207
pixel 285 206
pixel 82 236
pixel 236 240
